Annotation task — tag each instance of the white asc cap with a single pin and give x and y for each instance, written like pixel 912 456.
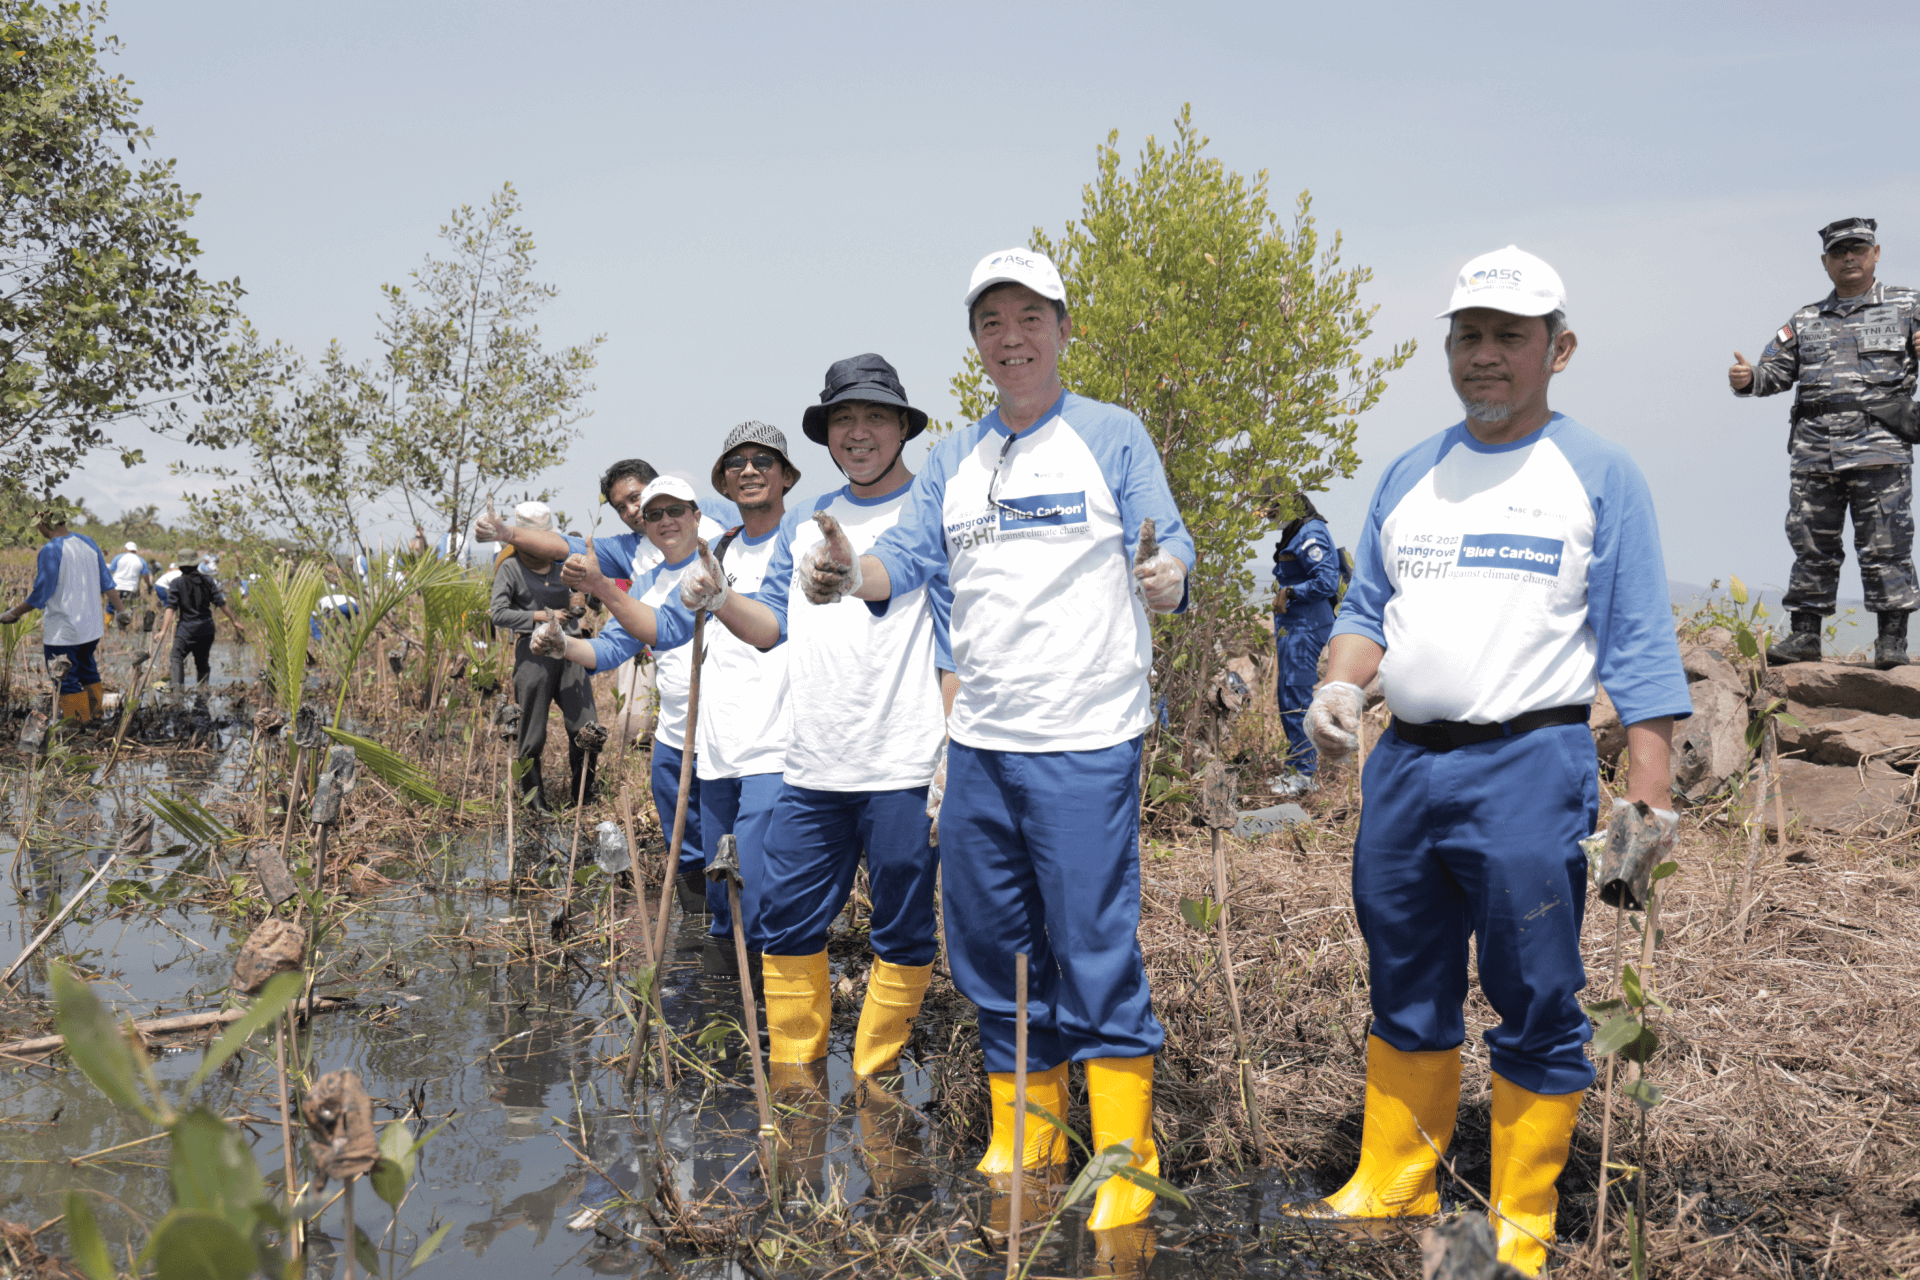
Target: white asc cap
pixel 132 547
pixel 534 515
pixel 667 487
pixel 1510 280
pixel 1029 267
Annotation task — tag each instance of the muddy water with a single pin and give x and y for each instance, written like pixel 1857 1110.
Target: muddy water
pixel 445 1024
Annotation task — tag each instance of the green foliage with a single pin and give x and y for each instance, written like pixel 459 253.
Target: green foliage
pixel 84 1238
pixel 281 990
pixel 102 314
pixel 395 770
pixel 379 598
pixel 282 603
pixel 477 401
pixel 1199 913
pixel 1235 335
pixel 94 1041
pixel 191 819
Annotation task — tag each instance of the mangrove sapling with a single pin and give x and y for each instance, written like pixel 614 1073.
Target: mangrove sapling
pixel 218 1226
pixel 11 634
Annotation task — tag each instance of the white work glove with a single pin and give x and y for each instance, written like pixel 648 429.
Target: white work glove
pixel 1669 826
pixel 703 585
pixel 936 792
pixel 1161 576
pixel 490 527
pixel 548 640
pixel 830 571
pixel 1333 718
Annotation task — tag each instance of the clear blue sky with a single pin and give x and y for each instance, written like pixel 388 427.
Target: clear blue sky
pixel 738 195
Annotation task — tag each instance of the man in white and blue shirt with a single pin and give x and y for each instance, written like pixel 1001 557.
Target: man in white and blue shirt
pixel 72 588
pixel 867 729
pixel 1508 566
pixel 1036 514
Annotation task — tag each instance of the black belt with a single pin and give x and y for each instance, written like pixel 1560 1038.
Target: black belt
pixel 1815 408
pixel 1445 735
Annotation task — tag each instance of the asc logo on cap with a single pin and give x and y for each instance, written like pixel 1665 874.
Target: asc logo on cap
pixel 1508 276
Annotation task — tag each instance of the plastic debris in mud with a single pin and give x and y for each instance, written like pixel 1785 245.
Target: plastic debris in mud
pixel 277 946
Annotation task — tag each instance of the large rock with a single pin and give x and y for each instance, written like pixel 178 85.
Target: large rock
pixel 1710 746
pixel 1837 684
pixel 1701 663
pixel 1840 735
pixel 1871 799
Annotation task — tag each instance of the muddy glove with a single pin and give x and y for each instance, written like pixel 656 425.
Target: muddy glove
pixel 490 527
pixel 830 571
pixel 1669 824
pixel 1162 577
pixel 1333 718
pixel 703 585
pixel 936 792
pixel 548 640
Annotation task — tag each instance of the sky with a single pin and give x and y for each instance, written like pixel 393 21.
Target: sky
pixel 738 195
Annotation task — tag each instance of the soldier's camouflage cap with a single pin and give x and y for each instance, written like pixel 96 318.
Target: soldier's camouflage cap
pixel 1848 229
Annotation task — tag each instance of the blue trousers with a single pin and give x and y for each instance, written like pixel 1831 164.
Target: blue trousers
pixel 1482 841
pixel 813 851
pixel 666 794
pixel 740 807
pixel 1040 852
pixel 83 672
pixel 1298 650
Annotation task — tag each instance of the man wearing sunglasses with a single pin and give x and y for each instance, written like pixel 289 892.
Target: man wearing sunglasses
pixel 1850 441
pixel 868 724
pixel 1036 513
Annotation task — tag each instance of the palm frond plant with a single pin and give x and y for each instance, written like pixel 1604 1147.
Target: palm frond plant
pixel 282 604
pixel 384 594
pixel 393 769
pixel 11 634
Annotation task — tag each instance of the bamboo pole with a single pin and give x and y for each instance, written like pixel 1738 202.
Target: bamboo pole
pixel 1015 1203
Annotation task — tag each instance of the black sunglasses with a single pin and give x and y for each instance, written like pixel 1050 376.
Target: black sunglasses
pixel 673 512
pixel 762 462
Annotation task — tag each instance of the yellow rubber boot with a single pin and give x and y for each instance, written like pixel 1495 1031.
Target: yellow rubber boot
pixel 73 708
pixel 1121 1093
pixel 96 694
pixel 894 993
pixel 799 1007
pixel 1531 1133
pixel 1407 1094
pixel 1045 1144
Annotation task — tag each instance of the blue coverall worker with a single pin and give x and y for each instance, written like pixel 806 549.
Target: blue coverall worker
pixel 1508 566
pixel 1306 575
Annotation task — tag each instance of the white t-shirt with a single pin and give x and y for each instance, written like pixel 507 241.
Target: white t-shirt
pixel 744 719
pixel 864 690
pixel 672 666
pixel 128 569
pixel 1036 533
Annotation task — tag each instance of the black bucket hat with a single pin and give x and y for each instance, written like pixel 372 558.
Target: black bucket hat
pixel 867 377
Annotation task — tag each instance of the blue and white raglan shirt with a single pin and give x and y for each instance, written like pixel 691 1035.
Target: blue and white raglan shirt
pixel 1050 635
pixel 128 568
pixel 630 555
pixel 1503 579
pixel 673 665
pixel 69 575
pixel 744 717
pixel 864 688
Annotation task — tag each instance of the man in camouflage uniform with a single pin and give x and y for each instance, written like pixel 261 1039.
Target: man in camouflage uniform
pixel 1853 426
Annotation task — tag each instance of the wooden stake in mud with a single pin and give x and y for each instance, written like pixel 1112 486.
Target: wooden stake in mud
pixel 143 671
pixel 646 939
pixel 1015 1207
pixel 1217 798
pixel 679 829
pixel 725 867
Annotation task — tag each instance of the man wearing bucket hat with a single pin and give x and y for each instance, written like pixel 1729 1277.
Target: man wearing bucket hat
pixel 1037 514
pixel 193 597
pixel 70 588
pixel 868 724
pixel 1854 356
pixel 1506 566
pixel 743 689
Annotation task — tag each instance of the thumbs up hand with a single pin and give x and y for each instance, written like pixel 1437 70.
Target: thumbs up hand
pixel 1740 374
pixel 490 527
pixel 703 585
pixel 581 571
pixel 830 571
pixel 1161 576
pixel 548 640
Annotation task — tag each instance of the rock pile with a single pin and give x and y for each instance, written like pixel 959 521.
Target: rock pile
pixel 1848 766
